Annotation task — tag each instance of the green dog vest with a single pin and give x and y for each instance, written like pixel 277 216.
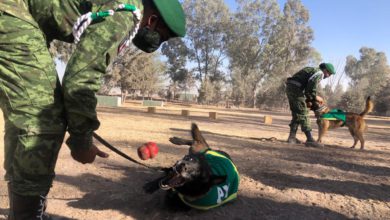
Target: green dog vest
pixel 218 194
pixel 335 114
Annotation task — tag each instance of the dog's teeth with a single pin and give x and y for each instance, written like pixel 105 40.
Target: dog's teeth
pixel 164 187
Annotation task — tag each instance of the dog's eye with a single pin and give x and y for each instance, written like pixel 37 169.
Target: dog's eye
pixel 188 158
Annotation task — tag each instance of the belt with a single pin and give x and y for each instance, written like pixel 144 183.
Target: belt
pixel 293 82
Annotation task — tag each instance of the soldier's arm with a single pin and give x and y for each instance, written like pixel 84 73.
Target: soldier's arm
pixel 311 87
pixel 96 49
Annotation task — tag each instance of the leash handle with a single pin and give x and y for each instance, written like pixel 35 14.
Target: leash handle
pixel 108 145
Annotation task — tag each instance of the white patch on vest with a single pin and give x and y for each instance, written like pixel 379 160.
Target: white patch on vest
pixel 315 75
pixel 222 193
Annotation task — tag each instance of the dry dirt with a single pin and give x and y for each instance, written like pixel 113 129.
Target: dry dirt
pixel 278 181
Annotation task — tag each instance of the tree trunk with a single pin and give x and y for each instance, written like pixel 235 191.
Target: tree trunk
pixel 124 96
pixel 254 99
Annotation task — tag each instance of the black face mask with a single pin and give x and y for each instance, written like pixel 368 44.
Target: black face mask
pixel 147 40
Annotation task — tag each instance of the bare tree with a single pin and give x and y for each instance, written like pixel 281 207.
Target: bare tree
pixel 333 89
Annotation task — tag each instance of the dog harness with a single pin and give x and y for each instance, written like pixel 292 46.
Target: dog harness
pixel 335 114
pixel 218 194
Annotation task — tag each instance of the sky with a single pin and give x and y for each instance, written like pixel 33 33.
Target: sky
pixel 342 27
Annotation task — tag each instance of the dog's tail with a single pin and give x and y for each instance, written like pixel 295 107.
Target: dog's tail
pixel 368 108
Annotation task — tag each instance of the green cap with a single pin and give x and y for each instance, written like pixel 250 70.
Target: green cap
pixel 173 15
pixel 330 68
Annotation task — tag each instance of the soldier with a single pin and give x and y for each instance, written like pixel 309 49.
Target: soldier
pixel 37 110
pixel 300 87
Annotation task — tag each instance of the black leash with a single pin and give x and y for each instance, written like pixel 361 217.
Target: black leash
pixel 108 145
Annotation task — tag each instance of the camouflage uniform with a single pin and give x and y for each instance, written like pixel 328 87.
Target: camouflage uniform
pixel 30 94
pixel 300 86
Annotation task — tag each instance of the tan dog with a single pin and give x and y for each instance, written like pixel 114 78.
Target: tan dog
pixel 354 121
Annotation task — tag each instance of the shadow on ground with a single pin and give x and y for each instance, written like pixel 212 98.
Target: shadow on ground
pixel 127 197
pixel 344 188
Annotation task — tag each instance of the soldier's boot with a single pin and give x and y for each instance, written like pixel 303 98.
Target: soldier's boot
pixel 292 139
pixel 27 207
pixel 310 142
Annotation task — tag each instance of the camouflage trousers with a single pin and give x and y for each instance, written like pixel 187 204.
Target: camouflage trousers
pixel 30 98
pixel 299 111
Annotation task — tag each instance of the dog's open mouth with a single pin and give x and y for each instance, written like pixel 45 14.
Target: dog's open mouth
pixel 172 181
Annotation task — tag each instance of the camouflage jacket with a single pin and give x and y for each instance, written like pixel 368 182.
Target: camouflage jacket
pixel 97 48
pixel 308 79
pixel 17 8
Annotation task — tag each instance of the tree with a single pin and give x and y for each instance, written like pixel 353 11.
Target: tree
pixel 372 66
pixel 352 100
pixel 206 33
pixel 382 104
pixel 368 75
pixel 252 26
pixel 176 52
pixel 294 37
pixel 291 48
pixel 136 71
pixel 265 46
pixel 333 90
pixel 333 95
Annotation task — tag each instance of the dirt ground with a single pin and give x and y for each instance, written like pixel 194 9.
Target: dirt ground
pixel 278 181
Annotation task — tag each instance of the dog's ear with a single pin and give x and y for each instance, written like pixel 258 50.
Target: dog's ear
pixel 195 132
pixel 216 180
pixel 200 143
pixel 197 135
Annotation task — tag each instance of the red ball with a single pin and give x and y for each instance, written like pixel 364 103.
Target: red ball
pixel 153 149
pixel 143 152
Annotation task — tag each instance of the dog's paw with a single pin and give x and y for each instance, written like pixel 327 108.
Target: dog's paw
pixel 179 141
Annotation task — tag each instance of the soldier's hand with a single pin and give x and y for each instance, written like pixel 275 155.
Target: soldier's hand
pixel 317 114
pixel 315 105
pixel 87 155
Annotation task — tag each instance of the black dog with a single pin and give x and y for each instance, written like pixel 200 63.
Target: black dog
pixel 203 179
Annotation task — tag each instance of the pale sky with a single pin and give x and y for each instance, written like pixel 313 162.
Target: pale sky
pixel 342 27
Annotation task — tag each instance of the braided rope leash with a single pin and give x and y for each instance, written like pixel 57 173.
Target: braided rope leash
pixel 137 18
pixel 85 20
